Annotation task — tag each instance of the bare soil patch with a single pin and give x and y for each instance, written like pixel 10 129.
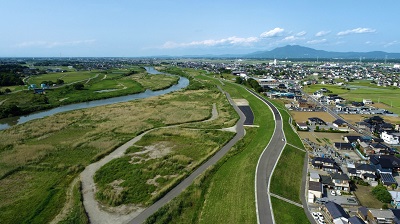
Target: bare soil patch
pixel 241 102
pixel 302 116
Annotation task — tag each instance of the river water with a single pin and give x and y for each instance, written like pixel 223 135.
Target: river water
pixel 8 122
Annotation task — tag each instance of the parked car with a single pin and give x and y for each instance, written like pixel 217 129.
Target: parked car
pixel 314 215
pixel 351 200
pixel 333 193
pixel 338 192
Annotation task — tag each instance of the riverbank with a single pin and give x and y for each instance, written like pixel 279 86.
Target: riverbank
pixel 43 156
pixel 169 84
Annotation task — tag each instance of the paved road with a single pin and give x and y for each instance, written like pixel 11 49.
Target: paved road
pixel 188 181
pixel 266 165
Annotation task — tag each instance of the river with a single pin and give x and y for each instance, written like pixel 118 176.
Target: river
pixel 8 122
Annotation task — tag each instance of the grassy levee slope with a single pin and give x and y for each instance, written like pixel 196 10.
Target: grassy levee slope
pixel 288 213
pixel 287 176
pixel 40 158
pixel 225 193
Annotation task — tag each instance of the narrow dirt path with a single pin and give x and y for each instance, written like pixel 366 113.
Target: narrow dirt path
pixel 68 204
pixel 99 213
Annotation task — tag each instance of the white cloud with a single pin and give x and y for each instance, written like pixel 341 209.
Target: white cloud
pixel 317 41
pixel 356 31
pixel 51 44
pixel 290 39
pixel 391 43
pixel 209 43
pixel 276 32
pixel 322 33
pixel 302 33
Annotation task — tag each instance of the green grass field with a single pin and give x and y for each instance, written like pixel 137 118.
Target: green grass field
pixel 286 180
pixel 68 77
pixel 359 90
pixel 285 213
pixel 226 192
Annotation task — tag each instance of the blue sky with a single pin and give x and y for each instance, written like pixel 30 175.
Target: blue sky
pixel 134 28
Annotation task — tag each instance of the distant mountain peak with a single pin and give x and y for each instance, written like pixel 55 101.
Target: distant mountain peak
pixel 297 51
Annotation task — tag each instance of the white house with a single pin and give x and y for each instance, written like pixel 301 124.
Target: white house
pixel 390 138
pixel 367 101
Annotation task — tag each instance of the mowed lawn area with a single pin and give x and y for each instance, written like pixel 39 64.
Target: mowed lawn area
pixel 285 213
pixel 287 177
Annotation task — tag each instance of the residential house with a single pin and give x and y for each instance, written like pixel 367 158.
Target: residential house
pixel 351 138
pixel 385 163
pixel 315 188
pixel 302 126
pixel 395 199
pixel 334 211
pixel 316 120
pixel 380 149
pixel 355 220
pixel 376 216
pixel 367 101
pixel 362 212
pixel 315 177
pixel 341 181
pixel 396 213
pixel 366 172
pixel 340 124
pixel 326 164
pixel 343 146
pixel 390 138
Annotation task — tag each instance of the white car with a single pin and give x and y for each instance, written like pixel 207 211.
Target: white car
pixel 338 192
pixel 315 215
pixel 333 193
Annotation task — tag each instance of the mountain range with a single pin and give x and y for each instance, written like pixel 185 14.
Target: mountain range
pixel 296 51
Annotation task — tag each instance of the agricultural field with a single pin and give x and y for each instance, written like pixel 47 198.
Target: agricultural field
pixel 301 116
pixel 43 156
pixel 359 90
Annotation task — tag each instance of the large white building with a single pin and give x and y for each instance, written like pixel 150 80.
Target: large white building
pixel 390 138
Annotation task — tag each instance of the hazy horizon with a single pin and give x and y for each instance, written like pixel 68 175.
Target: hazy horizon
pixel 125 28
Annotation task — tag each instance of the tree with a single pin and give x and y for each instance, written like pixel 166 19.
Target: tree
pixel 239 80
pixel 78 86
pixel 382 194
pixel 59 82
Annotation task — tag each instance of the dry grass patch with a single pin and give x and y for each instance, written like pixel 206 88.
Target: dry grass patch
pixel 353 118
pixel 333 137
pixel 365 197
pixel 301 116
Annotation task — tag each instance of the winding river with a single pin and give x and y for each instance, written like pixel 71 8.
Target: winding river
pixel 8 122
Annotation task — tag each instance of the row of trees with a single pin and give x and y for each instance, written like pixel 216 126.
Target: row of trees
pixel 10 80
pixel 50 83
pixel 252 83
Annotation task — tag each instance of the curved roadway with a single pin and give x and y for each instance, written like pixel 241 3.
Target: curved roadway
pixel 188 181
pixel 266 165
